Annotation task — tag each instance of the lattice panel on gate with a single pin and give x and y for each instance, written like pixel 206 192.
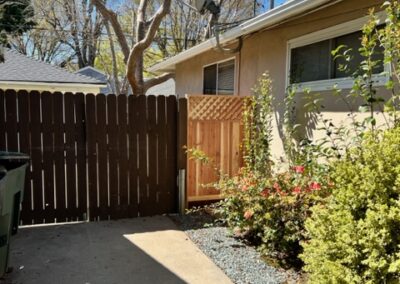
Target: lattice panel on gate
pixel 209 107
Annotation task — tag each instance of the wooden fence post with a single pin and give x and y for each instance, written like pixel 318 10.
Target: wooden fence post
pixel 182 157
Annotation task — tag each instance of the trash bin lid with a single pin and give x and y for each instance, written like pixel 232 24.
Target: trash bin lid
pixel 13 156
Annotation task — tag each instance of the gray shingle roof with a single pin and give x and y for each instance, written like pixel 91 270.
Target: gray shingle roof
pixel 166 88
pixel 93 73
pixel 20 68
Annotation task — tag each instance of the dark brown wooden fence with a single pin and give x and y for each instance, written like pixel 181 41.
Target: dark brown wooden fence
pixel 92 157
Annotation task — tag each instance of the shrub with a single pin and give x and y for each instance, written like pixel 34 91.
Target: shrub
pixel 355 237
pixel 270 211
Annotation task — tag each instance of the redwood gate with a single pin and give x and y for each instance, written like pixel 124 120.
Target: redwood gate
pixel 93 157
pixel 214 126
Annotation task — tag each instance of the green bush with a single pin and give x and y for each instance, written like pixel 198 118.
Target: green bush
pixel 355 236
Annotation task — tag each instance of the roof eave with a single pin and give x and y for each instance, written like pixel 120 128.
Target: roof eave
pixel 269 18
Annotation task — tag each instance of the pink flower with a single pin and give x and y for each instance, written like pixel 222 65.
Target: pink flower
pixel 297 190
pixel 315 186
pixel 245 187
pixel 299 169
pixel 248 214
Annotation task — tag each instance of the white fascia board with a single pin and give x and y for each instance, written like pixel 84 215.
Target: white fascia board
pixel 274 16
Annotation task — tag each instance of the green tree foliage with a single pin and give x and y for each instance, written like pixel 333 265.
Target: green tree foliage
pixel 15 18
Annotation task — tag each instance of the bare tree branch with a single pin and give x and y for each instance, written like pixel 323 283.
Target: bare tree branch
pixel 113 19
pixel 114 59
pixel 157 80
pixel 136 55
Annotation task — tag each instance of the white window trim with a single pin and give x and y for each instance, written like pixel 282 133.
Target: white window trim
pixel 234 74
pixel 325 34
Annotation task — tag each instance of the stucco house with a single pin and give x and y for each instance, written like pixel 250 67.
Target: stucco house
pixel 293 42
pixel 20 72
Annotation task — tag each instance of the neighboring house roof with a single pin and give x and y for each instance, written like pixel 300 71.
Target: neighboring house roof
pixel 272 17
pixel 93 73
pixel 20 68
pixel 166 88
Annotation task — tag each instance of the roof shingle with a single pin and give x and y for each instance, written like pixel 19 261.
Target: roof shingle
pixel 20 68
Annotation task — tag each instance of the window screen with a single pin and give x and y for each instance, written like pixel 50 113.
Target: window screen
pixel 219 78
pixel 226 77
pixel 315 62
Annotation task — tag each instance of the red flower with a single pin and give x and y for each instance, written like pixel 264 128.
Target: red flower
pixel 265 192
pixel 248 214
pixel 315 186
pixel 299 169
pixel 297 190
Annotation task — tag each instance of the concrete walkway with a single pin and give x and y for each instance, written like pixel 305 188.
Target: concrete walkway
pixel 142 250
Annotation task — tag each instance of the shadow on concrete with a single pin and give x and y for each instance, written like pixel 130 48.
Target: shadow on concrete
pixel 97 252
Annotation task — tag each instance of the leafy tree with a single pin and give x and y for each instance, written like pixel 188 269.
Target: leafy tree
pixel 15 18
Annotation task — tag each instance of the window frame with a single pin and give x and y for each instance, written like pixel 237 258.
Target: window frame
pixel 326 34
pixel 234 75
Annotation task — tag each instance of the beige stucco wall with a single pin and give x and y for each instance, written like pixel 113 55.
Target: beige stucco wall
pixel 50 87
pixel 267 50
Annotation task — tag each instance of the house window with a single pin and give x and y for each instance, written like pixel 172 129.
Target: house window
pixel 219 79
pixel 311 64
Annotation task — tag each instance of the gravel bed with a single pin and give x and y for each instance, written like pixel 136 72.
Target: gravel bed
pixel 240 262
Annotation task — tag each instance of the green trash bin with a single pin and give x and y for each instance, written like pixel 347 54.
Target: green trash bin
pixel 12 178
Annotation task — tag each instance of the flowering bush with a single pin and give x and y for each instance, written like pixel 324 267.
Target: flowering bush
pixel 270 211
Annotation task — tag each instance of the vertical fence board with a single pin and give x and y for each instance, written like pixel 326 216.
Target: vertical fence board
pixel 112 130
pixel 182 134
pixel 144 206
pixel 162 152
pixel 123 172
pixel 91 154
pixel 48 155
pixel 59 163
pixel 102 153
pixel 133 153
pixel 81 158
pixel 2 121
pixel 70 160
pixel 152 154
pixel 171 153
pixel 11 120
pixel 25 147
pixel 36 157
pixel 181 150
